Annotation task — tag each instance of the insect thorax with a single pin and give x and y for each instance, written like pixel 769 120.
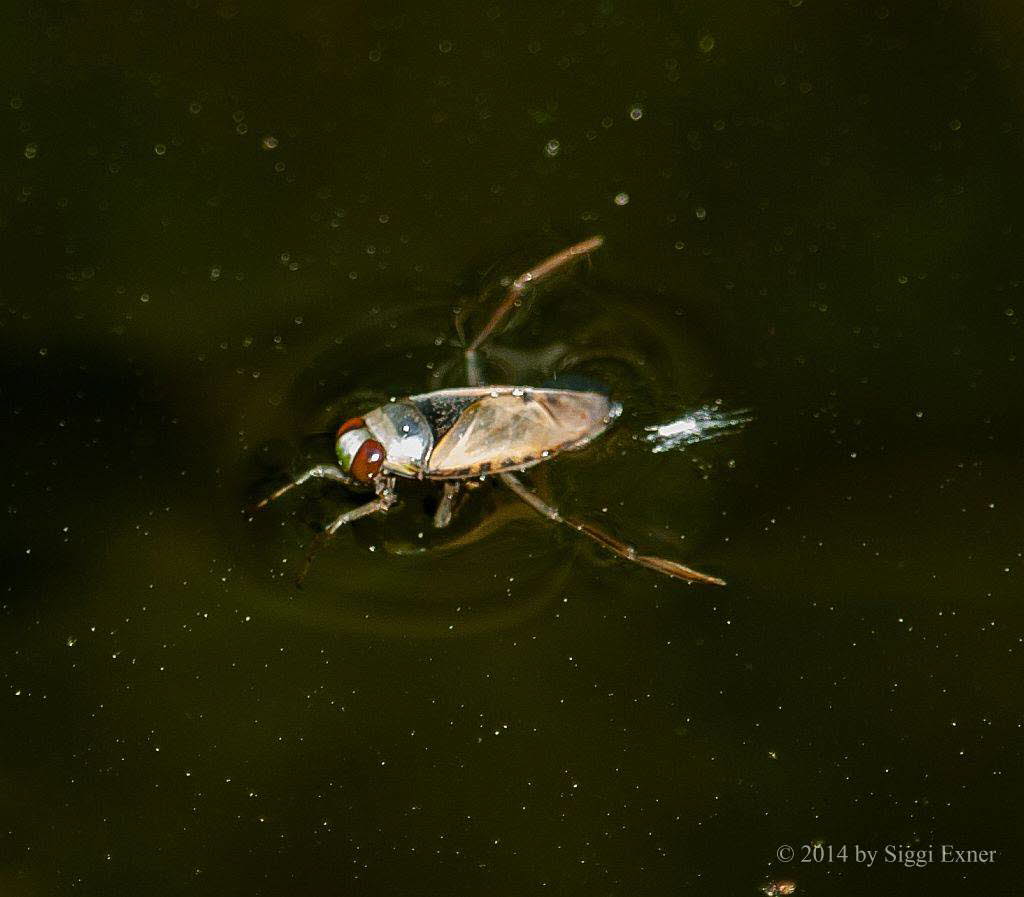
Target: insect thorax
pixel 405 433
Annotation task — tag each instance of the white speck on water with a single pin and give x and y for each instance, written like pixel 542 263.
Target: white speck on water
pixel 269 142
pixel 31 150
pixel 636 112
pixel 701 213
pixel 552 148
pixel 160 149
pixel 621 199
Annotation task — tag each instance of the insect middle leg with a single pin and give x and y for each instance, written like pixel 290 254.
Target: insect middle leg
pixel 515 290
pixel 616 546
pixel 446 506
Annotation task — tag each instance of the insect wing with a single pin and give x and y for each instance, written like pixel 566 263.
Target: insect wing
pixel 511 428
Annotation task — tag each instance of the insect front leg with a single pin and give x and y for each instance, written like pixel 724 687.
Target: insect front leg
pixel 536 273
pixel 386 497
pixel 446 506
pixel 319 471
pixel 614 545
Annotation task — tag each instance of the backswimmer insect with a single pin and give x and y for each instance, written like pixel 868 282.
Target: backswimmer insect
pixel 454 436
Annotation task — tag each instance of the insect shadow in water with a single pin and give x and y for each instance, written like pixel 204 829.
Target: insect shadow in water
pixel 458 437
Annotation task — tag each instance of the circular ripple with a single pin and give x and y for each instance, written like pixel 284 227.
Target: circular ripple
pixel 499 563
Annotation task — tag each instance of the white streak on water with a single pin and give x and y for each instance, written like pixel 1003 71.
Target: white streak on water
pixel 700 425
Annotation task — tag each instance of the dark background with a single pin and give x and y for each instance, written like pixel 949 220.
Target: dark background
pixel 224 227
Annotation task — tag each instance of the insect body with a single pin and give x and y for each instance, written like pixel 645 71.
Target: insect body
pixel 457 435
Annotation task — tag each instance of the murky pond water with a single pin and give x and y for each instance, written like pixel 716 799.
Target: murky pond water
pixel 225 228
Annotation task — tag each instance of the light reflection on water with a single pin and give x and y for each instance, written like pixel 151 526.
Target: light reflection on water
pixel 700 425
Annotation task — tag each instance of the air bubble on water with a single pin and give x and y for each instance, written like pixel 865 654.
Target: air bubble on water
pixel 621 199
pixel 160 149
pixel 242 128
pixel 144 298
pixel 552 148
pixel 215 273
pixel 31 150
pixel 707 43
pixel 269 142
pixel 955 124
pixel 195 107
pixel 636 112
pixel 71 641
pixel 701 213
pixel 445 46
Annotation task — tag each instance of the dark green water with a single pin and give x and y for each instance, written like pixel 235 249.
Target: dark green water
pixel 224 227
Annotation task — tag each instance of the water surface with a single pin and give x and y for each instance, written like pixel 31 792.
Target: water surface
pixel 225 228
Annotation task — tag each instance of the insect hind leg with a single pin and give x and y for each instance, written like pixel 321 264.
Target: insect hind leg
pixel 614 545
pixel 538 272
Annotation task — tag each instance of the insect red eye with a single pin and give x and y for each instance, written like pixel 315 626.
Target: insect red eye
pixel 367 461
pixel 353 423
